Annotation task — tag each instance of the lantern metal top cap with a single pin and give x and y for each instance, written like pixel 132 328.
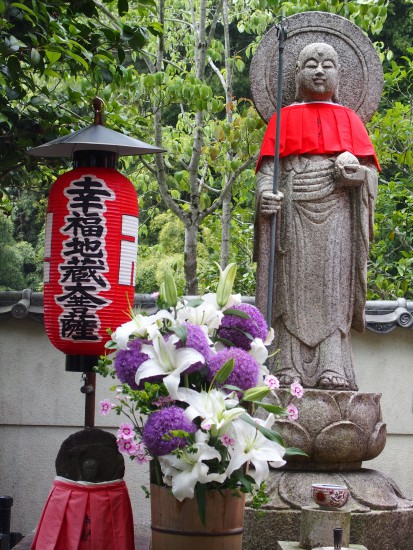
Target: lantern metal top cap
pixel 94 138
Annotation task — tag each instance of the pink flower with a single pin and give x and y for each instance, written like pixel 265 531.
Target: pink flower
pixel 227 441
pixel 126 431
pixel 140 448
pixel 205 425
pixel 155 295
pixel 127 446
pixel 140 455
pixel 292 412
pixel 142 459
pixel 105 407
pixel 297 390
pixel 272 382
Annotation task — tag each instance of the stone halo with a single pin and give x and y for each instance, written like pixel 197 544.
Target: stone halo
pixel 360 74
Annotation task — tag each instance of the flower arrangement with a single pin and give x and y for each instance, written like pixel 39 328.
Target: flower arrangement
pixel 192 376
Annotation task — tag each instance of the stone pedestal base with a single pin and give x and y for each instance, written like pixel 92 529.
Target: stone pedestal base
pixel 381 517
pixel 337 429
pixel 317 527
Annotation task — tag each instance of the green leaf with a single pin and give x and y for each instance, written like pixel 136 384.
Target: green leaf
pixel 195 302
pixel 37 100
pixel 13 93
pixel 51 72
pixel 4 119
pixel 121 55
pixel 226 342
pixel 52 56
pixel 24 8
pixel 237 313
pixel 200 493
pixel 224 372
pixel 275 409
pixel 123 7
pixel 78 59
pixel 232 388
pixel 106 75
pixel 35 57
pixel 182 333
pixel 294 451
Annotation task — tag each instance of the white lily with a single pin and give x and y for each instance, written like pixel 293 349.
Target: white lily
pixel 165 359
pixel 143 326
pixel 270 337
pixel 251 445
pixel 259 351
pixel 188 469
pixel 214 407
pixel 208 313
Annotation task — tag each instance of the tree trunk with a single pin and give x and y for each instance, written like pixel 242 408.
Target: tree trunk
pixel 226 205
pixel 190 259
pixel 225 223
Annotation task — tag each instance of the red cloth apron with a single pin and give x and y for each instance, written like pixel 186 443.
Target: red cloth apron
pixel 86 517
pixel 318 128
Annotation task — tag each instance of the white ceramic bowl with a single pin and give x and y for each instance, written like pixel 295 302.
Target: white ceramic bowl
pixel 329 495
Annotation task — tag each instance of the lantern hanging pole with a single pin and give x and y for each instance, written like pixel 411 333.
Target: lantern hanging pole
pixel 98 106
pixel 89 389
pixel 282 35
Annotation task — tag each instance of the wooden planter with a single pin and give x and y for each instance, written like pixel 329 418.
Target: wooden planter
pixel 176 525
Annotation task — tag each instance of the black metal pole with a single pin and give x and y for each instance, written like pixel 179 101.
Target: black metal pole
pixel 282 35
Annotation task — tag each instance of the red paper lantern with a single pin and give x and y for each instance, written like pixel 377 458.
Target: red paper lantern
pixel 90 258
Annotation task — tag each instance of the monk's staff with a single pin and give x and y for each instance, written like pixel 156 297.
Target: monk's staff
pixel 282 35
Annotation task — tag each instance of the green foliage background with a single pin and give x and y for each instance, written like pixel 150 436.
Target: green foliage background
pixel 55 57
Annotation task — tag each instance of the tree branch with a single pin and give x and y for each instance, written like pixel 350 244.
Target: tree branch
pixel 228 187
pixel 160 164
pixel 108 14
pixel 218 73
pixel 214 23
pixel 148 166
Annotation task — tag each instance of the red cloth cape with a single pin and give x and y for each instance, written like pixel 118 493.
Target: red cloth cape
pixel 86 517
pixel 318 128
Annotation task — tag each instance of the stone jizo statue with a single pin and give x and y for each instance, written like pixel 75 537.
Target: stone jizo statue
pixel 328 183
pixel 88 505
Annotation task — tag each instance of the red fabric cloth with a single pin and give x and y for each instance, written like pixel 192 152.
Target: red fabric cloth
pixel 86 517
pixel 318 128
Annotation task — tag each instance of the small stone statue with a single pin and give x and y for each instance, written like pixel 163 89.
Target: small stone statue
pixel 328 183
pixel 88 506
pixel 90 455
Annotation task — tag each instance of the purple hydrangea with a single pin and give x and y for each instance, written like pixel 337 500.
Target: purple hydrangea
pixel 159 424
pixel 127 363
pixel 246 369
pixel 196 339
pixel 233 328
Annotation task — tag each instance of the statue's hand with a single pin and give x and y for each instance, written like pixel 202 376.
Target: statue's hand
pixel 270 202
pixel 350 175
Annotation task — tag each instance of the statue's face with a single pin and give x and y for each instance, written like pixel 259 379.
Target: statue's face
pixel 317 72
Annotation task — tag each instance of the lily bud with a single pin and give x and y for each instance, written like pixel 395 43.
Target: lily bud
pixel 225 284
pixel 170 291
pixel 256 394
pixel 162 291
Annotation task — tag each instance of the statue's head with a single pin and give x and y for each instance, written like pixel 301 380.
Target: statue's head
pixel 317 73
pixel 90 455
